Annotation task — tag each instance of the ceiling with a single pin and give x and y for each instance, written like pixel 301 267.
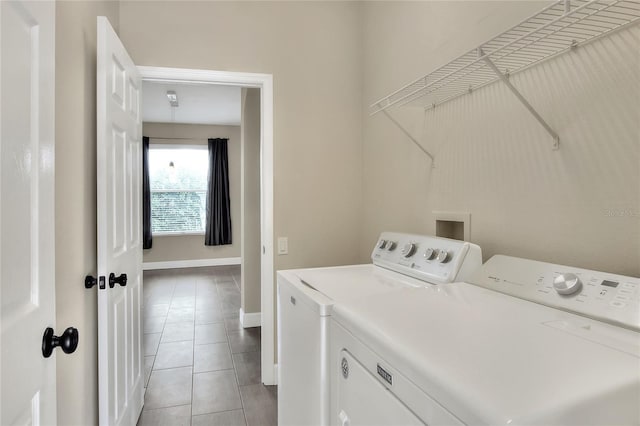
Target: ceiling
pixel 197 103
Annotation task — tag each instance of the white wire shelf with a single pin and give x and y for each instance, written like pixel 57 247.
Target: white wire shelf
pixel 555 29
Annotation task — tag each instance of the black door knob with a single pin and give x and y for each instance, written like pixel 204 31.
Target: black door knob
pixel 68 341
pixel 113 280
pixel 90 281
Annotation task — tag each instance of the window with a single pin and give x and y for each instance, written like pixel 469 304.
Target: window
pixel 178 181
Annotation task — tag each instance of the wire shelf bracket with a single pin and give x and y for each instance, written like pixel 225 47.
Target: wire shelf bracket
pixel 411 138
pixel 505 79
pixel 559 27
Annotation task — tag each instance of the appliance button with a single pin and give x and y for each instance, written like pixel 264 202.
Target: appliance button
pixel 430 253
pixel 623 298
pixel 443 256
pixel 567 283
pixel 391 245
pixel 629 286
pixel 625 291
pixel 382 244
pixel 408 250
pixel 618 304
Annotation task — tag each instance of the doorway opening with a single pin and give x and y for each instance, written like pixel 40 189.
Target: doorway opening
pixel 264 83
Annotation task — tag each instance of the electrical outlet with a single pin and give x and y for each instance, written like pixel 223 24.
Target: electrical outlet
pixel 283 245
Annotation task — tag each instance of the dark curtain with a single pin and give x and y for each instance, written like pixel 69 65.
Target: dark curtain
pixel 147 239
pixel 218 226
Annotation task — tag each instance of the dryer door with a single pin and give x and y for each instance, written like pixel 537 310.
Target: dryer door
pixel 363 400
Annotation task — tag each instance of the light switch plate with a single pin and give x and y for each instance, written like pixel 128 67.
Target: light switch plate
pixel 283 245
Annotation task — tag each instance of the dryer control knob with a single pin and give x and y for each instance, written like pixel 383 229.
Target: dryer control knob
pixel 391 245
pixel 430 253
pixel 382 244
pixel 567 283
pixel 408 249
pixel 443 256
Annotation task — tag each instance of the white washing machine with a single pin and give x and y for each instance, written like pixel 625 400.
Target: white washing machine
pixel 306 297
pixel 475 354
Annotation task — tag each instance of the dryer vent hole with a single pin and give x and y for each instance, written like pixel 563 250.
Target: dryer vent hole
pixel 450 229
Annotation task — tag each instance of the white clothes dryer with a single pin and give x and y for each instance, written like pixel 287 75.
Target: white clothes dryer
pixel 306 298
pixel 475 354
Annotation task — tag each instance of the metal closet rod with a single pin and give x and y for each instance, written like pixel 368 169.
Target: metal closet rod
pixel 177 139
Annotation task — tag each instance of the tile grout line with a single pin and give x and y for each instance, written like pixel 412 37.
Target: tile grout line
pixel 219 412
pixel 233 362
pixel 220 293
pixel 193 354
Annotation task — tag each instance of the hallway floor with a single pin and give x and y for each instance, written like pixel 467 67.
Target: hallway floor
pixel 201 367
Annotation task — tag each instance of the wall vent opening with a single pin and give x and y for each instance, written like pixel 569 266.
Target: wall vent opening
pixel 450 229
pixel 454 225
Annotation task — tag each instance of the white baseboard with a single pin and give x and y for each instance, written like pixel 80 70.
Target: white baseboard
pixel 172 264
pixel 253 319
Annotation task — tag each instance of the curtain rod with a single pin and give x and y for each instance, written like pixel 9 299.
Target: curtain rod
pixel 178 139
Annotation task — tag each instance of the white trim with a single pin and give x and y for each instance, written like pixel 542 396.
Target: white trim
pixel 251 319
pixel 275 373
pixel 265 83
pixel 183 75
pixel 267 267
pixel 195 263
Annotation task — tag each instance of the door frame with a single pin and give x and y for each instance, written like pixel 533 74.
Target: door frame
pixel 265 83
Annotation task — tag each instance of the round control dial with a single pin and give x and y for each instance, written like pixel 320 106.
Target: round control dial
pixel 408 250
pixel 567 283
pixel 430 253
pixel 382 244
pixel 391 245
pixel 443 256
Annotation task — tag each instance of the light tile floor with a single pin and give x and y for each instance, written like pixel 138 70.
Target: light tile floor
pixel 201 367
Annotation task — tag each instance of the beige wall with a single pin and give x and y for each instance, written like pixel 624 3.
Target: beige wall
pixel 191 247
pixel 492 158
pixel 251 253
pixel 77 385
pixel 313 51
pixel 333 195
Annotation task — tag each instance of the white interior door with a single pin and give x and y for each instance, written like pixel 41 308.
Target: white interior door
pixel 27 265
pixel 119 153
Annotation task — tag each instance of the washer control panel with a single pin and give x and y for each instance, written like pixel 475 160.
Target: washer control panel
pixel 599 295
pixel 432 259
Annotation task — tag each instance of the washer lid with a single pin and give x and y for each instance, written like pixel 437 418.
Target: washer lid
pixel 348 282
pixel 324 286
pixel 494 359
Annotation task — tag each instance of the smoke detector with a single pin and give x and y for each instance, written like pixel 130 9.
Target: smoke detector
pixel 173 98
